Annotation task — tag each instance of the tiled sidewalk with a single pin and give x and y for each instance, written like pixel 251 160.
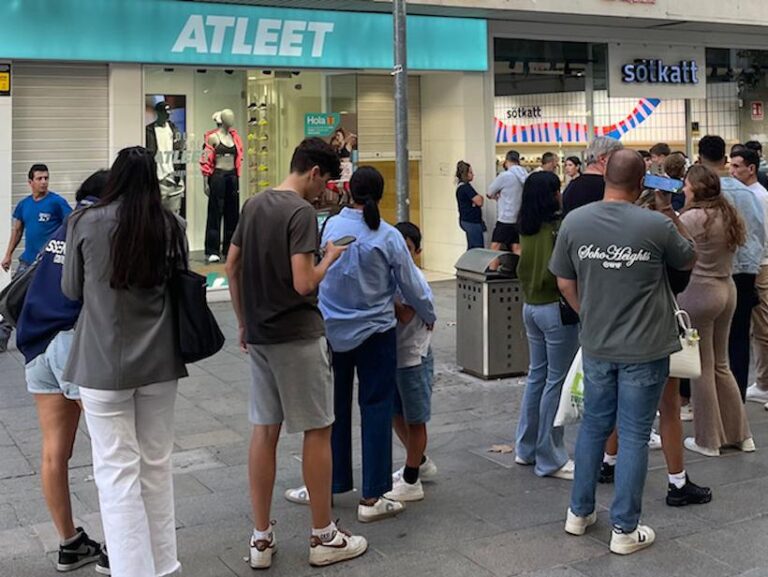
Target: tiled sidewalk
pixel 483 516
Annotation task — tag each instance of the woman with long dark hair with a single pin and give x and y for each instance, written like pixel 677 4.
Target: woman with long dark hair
pixel 121 253
pixel 710 299
pixel 357 299
pixel 551 342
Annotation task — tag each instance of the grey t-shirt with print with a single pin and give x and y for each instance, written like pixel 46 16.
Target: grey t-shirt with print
pixel 618 253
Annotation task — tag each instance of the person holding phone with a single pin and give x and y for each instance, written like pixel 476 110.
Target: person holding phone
pixel 710 300
pixel 357 299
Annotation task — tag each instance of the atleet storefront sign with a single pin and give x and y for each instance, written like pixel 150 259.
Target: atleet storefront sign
pixel 652 71
pixel 175 32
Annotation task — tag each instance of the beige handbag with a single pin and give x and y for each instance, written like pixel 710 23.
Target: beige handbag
pixel 686 364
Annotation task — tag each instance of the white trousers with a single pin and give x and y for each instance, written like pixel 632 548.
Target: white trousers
pixel 132 441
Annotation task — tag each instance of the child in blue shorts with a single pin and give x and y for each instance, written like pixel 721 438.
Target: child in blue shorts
pixel 413 398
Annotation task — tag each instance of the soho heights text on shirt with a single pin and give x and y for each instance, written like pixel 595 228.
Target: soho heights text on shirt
pixel 269 37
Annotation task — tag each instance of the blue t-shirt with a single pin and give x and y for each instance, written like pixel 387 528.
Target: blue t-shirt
pixel 40 218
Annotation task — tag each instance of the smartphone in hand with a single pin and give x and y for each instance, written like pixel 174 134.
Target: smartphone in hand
pixel 663 183
pixel 344 240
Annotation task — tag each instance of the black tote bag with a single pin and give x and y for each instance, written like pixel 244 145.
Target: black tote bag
pixel 199 334
pixel 13 296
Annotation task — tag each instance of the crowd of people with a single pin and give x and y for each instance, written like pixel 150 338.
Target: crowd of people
pixel 98 335
pixel 607 266
pixel 603 267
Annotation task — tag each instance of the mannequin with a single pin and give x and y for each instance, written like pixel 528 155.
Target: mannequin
pixel 166 142
pixel 221 164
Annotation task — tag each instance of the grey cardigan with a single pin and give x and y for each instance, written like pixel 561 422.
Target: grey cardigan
pixel 123 338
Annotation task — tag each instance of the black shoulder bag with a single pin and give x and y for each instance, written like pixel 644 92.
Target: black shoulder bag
pixel 198 332
pixel 568 316
pixel 13 296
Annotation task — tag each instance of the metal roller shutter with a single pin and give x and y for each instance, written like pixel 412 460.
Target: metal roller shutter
pixel 60 118
pixel 376 116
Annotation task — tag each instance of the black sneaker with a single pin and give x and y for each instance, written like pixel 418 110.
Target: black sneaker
pixel 607 473
pixel 83 551
pixel 689 494
pixel 102 565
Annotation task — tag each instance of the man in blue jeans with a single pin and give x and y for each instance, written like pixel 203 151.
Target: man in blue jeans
pixel 610 260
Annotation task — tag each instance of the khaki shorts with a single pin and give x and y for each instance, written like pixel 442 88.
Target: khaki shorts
pixel 291 384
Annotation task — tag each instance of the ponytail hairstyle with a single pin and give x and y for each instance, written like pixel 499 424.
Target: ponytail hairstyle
pixel 367 187
pixel 462 171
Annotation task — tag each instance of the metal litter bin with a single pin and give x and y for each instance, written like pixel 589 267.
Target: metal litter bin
pixel 490 334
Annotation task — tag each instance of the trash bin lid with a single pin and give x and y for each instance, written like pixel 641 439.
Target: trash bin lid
pixel 477 260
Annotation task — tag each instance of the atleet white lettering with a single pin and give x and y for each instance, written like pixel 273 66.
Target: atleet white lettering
pixel 265 37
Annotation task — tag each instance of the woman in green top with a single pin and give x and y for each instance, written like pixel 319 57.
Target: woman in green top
pixel 552 344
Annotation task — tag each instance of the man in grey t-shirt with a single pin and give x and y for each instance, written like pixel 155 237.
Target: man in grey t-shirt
pixel 273 280
pixel 610 260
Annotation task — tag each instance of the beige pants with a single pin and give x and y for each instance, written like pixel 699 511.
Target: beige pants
pixel 720 415
pixel 760 329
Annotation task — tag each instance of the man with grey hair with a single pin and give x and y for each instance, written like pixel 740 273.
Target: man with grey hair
pixel 590 186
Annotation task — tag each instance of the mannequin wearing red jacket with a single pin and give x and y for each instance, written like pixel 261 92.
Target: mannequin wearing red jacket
pixel 221 163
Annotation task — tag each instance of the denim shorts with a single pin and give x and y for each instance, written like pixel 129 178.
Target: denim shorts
pixel 413 396
pixel 44 372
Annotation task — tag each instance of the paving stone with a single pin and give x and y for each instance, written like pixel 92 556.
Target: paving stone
pixel 670 559
pixel 527 550
pixel 194 460
pixel 18 543
pixel 735 544
pixel 8 518
pixel 209 439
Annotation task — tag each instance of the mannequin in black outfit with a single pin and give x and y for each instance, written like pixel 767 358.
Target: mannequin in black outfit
pixel 222 189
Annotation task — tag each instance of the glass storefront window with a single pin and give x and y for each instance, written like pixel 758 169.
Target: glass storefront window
pixel 268 111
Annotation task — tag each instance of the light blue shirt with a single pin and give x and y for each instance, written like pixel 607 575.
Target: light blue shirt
pixel 357 295
pixel 507 189
pixel 749 256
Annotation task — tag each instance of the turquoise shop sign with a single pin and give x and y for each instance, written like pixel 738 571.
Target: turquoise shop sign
pixel 319 124
pixel 176 32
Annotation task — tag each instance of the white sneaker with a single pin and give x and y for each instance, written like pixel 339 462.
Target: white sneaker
pixel 523 462
pixel 628 543
pixel 402 491
pixel 748 445
pixel 756 395
pixel 261 552
pixel 381 509
pixel 342 547
pixel 427 471
pixel 654 443
pixel 565 472
pixel 686 412
pixel 299 495
pixel 690 444
pixel 576 525
pixel 212 258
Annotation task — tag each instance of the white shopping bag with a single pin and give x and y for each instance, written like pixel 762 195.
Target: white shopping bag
pixel 571 406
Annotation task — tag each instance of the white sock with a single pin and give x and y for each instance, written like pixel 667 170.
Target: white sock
pixel 609 459
pixel 262 535
pixel 72 539
pixel 325 534
pixel 678 479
